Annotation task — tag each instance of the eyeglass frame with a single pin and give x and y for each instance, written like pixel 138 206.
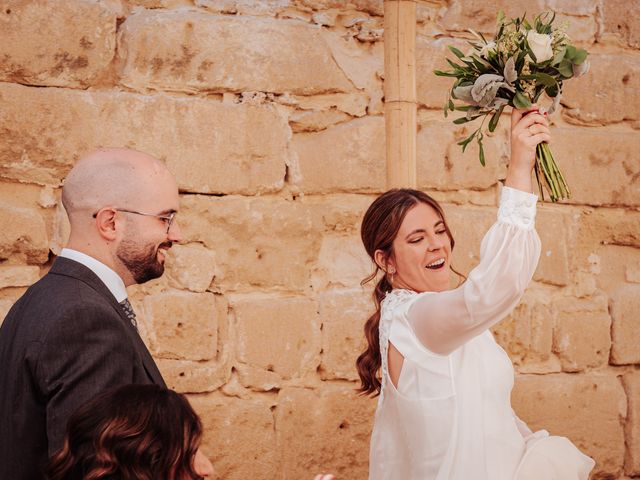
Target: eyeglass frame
pixel 168 218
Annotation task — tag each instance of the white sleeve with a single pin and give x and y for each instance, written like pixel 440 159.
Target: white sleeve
pixel 509 255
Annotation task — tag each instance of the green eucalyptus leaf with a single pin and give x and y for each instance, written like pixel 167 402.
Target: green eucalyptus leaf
pixel 565 68
pixel 461 120
pixel 540 78
pixel 442 73
pixel 521 101
pixel 552 90
pixel 456 52
pixel 481 151
pixel 494 119
pixel 467 140
pixel 558 56
pixel 579 57
pixel 455 66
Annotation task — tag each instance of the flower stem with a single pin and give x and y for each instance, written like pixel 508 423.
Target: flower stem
pixel 547 168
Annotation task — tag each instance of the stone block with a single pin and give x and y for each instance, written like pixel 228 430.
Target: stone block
pixel 349 157
pixel 614 80
pixel 239 435
pixel 186 376
pixel 612 229
pixel 191 267
pixel 572 7
pixel 277 334
pixel 262 241
pixel 582 29
pixel 442 165
pixel 589 409
pixel 621 18
pixel 18 276
pixel 23 234
pixel 40 46
pixel 209 146
pixel 465 169
pixel 363 64
pixel 624 306
pixel 312 121
pixel 60 230
pixel 326 430
pixel 244 7
pixel 343 314
pixel 611 263
pixel 585 154
pixel 374 7
pixel 191 51
pixel 435 140
pixel 355 104
pixel 184 324
pixel 632 272
pixel 582 336
pixel 340 213
pixel 555 228
pixel 257 378
pixel 631 382
pixel 342 262
pixel 468 226
pixel 481 16
pixel 527 334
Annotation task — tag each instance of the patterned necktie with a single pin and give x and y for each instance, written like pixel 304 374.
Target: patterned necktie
pixel 128 311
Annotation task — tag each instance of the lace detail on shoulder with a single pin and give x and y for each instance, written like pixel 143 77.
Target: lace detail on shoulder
pixel 517 208
pixel 389 304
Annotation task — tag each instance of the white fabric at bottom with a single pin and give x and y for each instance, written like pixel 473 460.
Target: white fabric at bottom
pixel 553 458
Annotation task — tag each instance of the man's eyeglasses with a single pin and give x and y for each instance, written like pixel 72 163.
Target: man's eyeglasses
pixel 168 219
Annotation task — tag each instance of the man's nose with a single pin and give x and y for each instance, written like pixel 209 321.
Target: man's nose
pixel 175 233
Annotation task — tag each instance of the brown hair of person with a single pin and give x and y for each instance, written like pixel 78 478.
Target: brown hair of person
pixel 379 229
pixel 134 432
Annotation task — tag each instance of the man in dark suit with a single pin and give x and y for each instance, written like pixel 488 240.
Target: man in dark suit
pixel 73 334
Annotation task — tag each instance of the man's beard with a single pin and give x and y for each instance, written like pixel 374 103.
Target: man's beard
pixel 141 261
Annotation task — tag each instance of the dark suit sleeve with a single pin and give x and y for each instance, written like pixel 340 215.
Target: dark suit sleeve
pixel 86 352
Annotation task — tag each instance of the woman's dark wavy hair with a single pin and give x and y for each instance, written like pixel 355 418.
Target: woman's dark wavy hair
pixel 134 432
pixel 380 227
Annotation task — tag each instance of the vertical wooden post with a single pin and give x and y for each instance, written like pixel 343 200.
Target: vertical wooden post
pixel 400 91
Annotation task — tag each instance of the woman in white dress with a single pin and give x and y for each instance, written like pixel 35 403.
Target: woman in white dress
pixel 444 409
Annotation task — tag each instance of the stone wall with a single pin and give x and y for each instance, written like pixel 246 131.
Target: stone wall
pixel 269 113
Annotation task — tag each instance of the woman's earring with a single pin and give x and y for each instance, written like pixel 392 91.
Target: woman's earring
pixel 391 272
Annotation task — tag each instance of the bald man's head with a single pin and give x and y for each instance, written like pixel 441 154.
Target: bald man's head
pixel 115 177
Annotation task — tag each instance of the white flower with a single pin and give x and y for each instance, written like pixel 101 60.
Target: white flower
pixel 488 47
pixel 540 45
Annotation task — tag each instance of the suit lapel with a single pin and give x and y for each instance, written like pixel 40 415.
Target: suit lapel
pixel 71 268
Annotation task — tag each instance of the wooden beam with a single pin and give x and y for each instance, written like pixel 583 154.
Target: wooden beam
pixel 400 92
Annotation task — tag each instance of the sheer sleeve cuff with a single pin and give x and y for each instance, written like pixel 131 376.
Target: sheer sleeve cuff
pixel 517 208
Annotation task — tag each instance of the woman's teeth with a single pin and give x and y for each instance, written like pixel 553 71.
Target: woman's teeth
pixel 437 264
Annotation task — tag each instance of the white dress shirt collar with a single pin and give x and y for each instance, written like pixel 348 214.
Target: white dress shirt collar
pixel 110 278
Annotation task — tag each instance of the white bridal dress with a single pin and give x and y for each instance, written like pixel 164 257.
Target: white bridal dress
pixel 450 417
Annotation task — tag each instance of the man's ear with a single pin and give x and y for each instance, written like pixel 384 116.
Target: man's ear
pixel 106 223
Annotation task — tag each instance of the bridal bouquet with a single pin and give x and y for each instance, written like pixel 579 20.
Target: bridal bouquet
pixel 521 63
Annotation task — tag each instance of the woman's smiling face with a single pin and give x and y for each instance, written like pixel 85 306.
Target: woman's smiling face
pixel 421 251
